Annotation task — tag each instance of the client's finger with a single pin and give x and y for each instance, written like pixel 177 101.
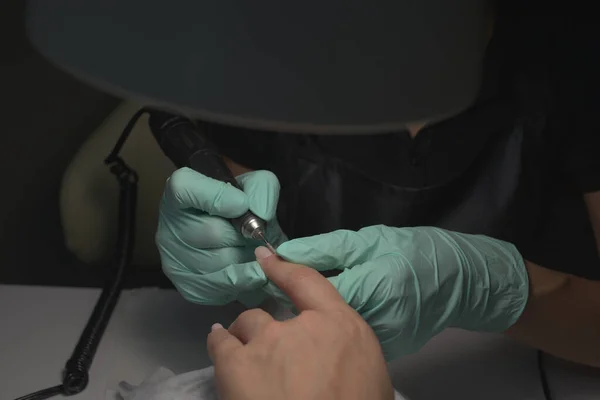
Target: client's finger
pixel 249 324
pixel 307 288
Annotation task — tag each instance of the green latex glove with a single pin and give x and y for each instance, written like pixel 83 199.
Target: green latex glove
pixel 207 260
pixel 411 283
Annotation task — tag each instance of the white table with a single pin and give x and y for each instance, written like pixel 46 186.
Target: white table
pixel 150 328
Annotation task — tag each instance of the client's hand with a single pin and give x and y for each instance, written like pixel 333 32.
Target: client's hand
pixel 326 352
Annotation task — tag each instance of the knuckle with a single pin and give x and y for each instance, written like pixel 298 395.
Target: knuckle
pixel 269 177
pixel 299 278
pixel 273 331
pixel 352 324
pixel 251 315
pixel 219 347
pixel 400 276
pixel 178 180
pixel 302 275
pixel 208 232
pixel 187 295
pixel 376 231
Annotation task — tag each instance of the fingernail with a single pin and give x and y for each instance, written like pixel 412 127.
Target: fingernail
pixel 216 326
pixel 262 252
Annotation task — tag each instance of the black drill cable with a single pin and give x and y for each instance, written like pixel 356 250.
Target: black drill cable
pixel 76 372
pixel 114 154
pixel 76 375
pixel 43 394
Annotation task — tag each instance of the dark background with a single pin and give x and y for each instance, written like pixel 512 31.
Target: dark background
pixel 45 117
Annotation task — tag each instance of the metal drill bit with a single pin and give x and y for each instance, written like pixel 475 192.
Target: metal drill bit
pixel 261 235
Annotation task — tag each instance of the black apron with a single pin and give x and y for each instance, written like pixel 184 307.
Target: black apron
pixel 501 185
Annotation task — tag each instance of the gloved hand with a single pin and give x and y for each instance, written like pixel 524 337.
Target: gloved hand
pixel 207 260
pixel 411 283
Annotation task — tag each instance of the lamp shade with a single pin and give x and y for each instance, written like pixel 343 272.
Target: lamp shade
pixel 328 66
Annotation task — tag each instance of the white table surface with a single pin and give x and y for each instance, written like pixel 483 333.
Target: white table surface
pixel 150 328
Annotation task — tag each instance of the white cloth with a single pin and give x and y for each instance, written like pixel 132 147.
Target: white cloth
pixel 165 385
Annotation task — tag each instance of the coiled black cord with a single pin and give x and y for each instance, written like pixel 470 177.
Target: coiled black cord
pixel 76 372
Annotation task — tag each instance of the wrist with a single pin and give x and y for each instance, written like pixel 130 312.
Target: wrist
pixel 495 284
pixel 543 284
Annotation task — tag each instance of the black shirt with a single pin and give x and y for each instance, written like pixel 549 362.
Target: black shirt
pixel 550 72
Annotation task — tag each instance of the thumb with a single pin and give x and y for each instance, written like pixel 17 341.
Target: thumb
pixel 335 250
pixel 262 189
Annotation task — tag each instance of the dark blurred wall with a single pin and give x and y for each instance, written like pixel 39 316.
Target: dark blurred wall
pixel 45 116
